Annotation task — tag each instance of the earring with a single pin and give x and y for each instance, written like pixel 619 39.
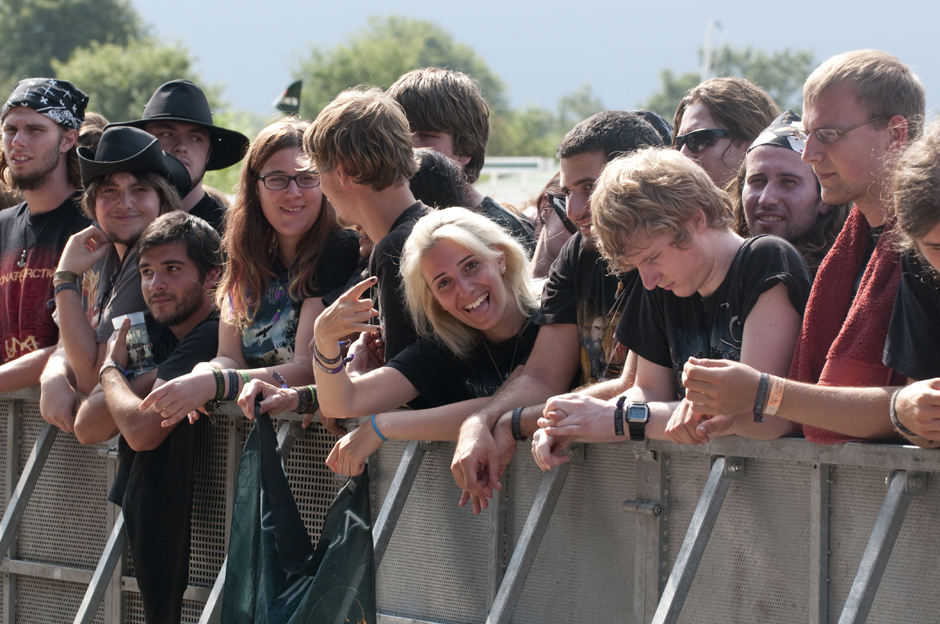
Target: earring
pixel 502 269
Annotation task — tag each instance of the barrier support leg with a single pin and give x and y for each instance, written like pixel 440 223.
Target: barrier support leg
pixel 384 524
pixel 901 486
pixel 24 487
pixel 723 471
pixel 528 546
pixel 103 572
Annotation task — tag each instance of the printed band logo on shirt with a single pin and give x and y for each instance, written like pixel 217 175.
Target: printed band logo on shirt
pixel 14 346
pixel 19 276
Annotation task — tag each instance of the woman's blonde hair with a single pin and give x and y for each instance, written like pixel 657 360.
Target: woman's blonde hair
pixel 653 192
pixel 484 239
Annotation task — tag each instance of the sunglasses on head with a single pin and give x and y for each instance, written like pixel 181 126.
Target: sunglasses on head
pixel 697 140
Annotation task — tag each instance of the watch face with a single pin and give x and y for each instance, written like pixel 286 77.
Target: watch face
pixel 638 414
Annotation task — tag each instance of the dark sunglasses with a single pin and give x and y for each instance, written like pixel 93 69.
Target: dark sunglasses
pixel 559 203
pixel 697 140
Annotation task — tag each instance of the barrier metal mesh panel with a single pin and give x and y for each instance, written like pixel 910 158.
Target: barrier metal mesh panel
pixel 209 502
pixel 313 484
pixel 855 498
pixel 133 609
pixel 382 467
pixel 759 546
pixel 46 601
pixel 584 569
pixel 908 588
pixel 437 567
pixel 64 520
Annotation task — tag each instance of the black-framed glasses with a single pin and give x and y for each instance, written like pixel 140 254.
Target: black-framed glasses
pixel 279 181
pixel 697 140
pixel 831 135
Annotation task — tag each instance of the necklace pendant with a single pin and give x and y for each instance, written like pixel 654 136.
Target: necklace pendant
pixel 22 262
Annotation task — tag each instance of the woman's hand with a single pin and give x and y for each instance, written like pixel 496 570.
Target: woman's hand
pixel 349 454
pixel 720 386
pixel 348 315
pixel 83 249
pixel 275 399
pixel 181 397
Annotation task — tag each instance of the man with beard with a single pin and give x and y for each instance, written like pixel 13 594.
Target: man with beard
pixel 178 114
pixel 581 305
pixel 777 193
pixel 40 124
pixel 178 260
pixel 129 182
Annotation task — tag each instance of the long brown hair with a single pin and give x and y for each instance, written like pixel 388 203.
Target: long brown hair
pixel 250 241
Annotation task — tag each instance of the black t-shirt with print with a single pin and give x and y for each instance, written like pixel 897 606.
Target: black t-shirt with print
pixel 155 488
pixel 667 330
pixel 399 331
pixel 914 333
pixel 26 323
pixel 442 378
pixel 582 290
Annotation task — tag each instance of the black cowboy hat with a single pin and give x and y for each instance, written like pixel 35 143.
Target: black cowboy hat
pixel 184 102
pixel 131 150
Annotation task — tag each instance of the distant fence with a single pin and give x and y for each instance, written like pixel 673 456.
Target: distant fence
pixel 733 531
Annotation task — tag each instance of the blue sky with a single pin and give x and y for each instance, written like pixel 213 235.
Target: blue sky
pixel 544 49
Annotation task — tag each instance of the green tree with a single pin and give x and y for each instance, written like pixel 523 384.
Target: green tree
pixel 384 50
pixel 780 73
pixel 34 32
pixel 119 79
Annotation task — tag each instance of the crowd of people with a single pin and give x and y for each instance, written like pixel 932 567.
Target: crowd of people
pixel 741 271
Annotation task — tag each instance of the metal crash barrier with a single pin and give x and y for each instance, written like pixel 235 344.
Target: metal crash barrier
pixel 733 531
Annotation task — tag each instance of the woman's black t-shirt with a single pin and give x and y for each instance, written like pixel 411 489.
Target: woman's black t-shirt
pixel 442 378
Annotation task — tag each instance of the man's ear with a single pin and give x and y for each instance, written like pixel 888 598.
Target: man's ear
pixel 899 131
pixel 212 278
pixel 69 138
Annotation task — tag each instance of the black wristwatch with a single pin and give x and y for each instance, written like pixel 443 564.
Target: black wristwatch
pixel 638 414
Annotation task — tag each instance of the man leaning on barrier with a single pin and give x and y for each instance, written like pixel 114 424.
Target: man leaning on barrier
pixel 861 110
pixel 40 122
pixel 179 258
pixel 581 304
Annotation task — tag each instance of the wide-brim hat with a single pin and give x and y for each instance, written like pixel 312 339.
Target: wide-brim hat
pixel 182 101
pixel 131 150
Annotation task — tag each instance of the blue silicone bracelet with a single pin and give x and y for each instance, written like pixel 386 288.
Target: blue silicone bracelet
pixel 377 432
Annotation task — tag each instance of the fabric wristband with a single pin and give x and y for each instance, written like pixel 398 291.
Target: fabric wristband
pixel 761 397
pixel 618 415
pixel 65 276
pixel 232 384
pixel 115 365
pixel 777 386
pixel 66 286
pixel 377 432
pixel 245 376
pixel 324 359
pixel 516 425
pixel 219 384
pixel 333 371
pixel 893 413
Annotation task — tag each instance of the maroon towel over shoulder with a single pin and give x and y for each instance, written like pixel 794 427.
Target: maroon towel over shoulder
pixel 842 339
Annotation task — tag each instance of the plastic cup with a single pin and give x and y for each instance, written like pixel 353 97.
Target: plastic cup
pixel 139 353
